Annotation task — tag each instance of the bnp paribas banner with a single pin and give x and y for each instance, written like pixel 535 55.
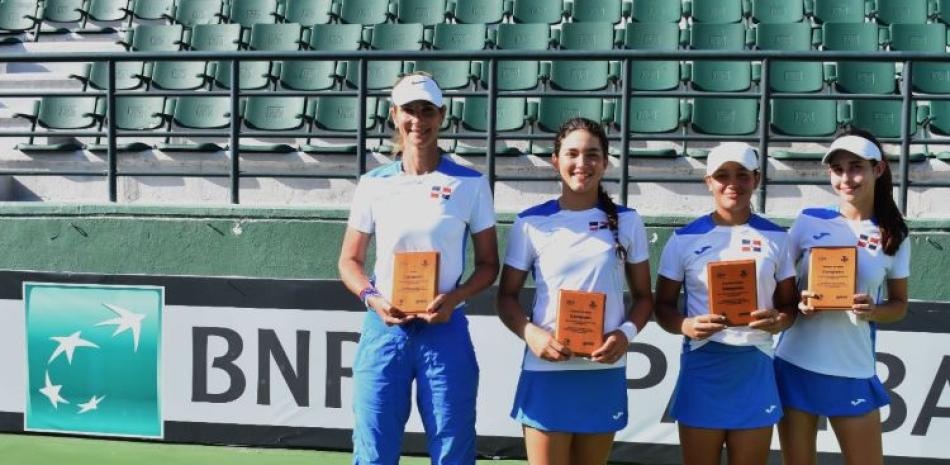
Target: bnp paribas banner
pixel 93 359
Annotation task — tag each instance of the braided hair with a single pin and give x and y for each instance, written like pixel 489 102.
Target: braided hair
pixel 604 201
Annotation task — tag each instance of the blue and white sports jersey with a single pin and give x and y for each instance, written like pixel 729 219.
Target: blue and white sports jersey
pixel 574 250
pixel 691 247
pixel 838 343
pixel 431 212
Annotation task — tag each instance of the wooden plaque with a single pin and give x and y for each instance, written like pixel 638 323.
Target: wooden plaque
pixel 415 280
pixel 732 290
pixel 833 275
pixel 580 321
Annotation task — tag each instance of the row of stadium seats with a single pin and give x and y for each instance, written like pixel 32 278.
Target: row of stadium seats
pixel 17 16
pixel 647 75
pixel 331 116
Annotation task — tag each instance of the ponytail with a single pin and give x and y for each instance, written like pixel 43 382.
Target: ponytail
pixel 613 221
pixel 888 216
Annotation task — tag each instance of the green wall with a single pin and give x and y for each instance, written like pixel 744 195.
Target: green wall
pixel 274 242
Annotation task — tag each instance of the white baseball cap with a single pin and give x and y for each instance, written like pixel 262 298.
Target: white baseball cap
pixel 857 145
pixel 739 152
pixel 417 87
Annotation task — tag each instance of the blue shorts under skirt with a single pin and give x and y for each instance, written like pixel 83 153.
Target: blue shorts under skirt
pixel 572 401
pixel 828 395
pixel 726 387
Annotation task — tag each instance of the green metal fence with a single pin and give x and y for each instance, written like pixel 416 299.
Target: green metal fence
pixel 234 132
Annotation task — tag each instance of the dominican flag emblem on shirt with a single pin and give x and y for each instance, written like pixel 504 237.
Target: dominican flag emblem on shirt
pixel 751 245
pixel 869 242
pixel 440 191
pixel 597 225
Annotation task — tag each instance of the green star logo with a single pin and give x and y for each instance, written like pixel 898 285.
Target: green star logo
pixel 93 358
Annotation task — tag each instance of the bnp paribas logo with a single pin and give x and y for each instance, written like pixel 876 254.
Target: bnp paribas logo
pixel 93 358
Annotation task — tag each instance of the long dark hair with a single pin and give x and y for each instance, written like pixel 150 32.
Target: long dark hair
pixel 604 200
pixel 889 219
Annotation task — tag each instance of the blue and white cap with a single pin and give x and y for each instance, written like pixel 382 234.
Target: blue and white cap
pixel 857 145
pixel 417 87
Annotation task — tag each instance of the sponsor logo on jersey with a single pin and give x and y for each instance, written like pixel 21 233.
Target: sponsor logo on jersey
pixel 820 235
pixel 702 249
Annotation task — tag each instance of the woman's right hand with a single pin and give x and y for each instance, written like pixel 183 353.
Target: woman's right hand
pixel 389 314
pixel 543 345
pixel 804 305
pixel 702 326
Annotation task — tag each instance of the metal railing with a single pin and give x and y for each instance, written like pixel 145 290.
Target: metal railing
pixel 235 132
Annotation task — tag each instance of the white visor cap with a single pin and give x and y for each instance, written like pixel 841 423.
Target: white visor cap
pixel 738 152
pixel 417 87
pixel 856 145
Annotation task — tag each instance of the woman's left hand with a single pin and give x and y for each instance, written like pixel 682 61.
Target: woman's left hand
pixel 440 309
pixel 768 319
pixel 615 346
pixel 863 307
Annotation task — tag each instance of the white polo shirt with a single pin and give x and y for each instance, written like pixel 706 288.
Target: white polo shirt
pixel 691 247
pixel 430 212
pixel 835 342
pixel 575 250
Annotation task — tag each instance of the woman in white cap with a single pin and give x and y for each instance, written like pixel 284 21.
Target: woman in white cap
pixel 423 201
pixel 825 362
pixel 726 394
pixel 571 406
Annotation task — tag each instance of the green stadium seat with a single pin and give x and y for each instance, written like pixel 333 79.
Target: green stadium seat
pixel 519 74
pixel 578 74
pixel 129 74
pixel 725 116
pixel 382 74
pixel 199 113
pixel 902 11
pixel 717 11
pixel 183 75
pixel 939 121
pixel 18 16
pixel 276 114
pixel 62 11
pixel 131 113
pixel 365 12
pixel 652 74
pixel 478 11
pixel 656 11
pixel 151 10
pixel 943 11
pixel 338 114
pixel 509 116
pixel 538 11
pixel 714 75
pixel 777 11
pixel 190 13
pixel 596 11
pixel 790 76
pixel 881 117
pixel 320 74
pixel 929 77
pixel 425 12
pixel 806 118
pixel 453 74
pixel 307 13
pixel 247 13
pixel 651 115
pixel 257 74
pixel 839 11
pixel 105 10
pixel 554 111
pixel 58 113
pixel 859 77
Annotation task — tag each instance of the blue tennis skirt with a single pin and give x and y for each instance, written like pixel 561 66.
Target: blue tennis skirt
pixel 726 387
pixel 828 395
pixel 572 401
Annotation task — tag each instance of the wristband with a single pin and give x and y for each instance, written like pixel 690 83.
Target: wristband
pixel 367 292
pixel 628 329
